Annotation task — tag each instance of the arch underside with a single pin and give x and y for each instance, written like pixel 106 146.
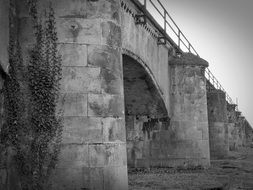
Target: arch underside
pixel 145 112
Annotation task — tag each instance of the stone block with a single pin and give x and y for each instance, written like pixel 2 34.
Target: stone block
pixel 69 178
pixel 102 105
pixel 74 156
pixel 78 30
pixel 109 60
pixel 73 104
pixel 82 130
pixel 3 178
pixel 203 127
pixel 114 129
pixel 73 54
pixel 106 58
pixel 111 34
pixel 111 154
pixel 107 10
pixel 70 9
pixel 96 181
pixel 115 178
pixel 81 80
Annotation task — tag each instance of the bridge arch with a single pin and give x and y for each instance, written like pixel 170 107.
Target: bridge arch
pixel 146 114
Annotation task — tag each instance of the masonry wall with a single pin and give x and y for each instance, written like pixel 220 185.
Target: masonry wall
pixel 232 129
pixel 93 154
pixel 218 127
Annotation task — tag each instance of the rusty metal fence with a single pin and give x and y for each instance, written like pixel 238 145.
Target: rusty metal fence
pixel 170 29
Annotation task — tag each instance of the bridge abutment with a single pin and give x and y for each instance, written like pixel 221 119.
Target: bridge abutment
pixel 218 127
pixel 188 139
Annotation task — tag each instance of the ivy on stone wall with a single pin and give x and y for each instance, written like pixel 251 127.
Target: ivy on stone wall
pixel 33 125
pixel 44 74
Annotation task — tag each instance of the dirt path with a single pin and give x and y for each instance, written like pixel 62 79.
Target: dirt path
pixel 233 173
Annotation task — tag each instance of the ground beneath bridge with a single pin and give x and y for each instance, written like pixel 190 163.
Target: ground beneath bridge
pixel 233 173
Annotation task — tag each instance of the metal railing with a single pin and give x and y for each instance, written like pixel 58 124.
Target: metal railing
pixel 216 84
pixel 155 7
pixel 169 26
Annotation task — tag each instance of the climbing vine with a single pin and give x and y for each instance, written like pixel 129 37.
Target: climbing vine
pixel 33 128
pixel 44 74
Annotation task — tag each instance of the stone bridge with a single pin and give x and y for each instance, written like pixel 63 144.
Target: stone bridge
pixel 131 98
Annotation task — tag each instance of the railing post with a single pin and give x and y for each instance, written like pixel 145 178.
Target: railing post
pixel 145 4
pixel 189 47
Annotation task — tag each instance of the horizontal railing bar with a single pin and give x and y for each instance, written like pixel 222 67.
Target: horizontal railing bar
pixel 157 8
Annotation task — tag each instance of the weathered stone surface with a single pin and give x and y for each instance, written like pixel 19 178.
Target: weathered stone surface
pixel 82 130
pixel 218 128
pixel 73 104
pixel 114 129
pixel 74 156
pixel 104 105
pixel 73 54
pixel 78 30
pixel 189 59
pixel 109 154
pixel 113 178
pixel 108 9
pixel 232 130
pixel 189 127
pixel 111 34
pixel 81 79
pixel 79 178
pixel 109 60
pixel 93 130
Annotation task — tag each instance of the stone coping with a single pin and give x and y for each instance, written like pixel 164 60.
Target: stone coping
pixel 188 59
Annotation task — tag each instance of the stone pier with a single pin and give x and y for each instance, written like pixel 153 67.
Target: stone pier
pixel 93 154
pixel 188 142
pixel 232 130
pixel 218 129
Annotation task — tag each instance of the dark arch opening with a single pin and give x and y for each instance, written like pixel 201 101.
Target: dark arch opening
pixel 146 114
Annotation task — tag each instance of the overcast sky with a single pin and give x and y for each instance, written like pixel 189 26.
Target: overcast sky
pixel 222 33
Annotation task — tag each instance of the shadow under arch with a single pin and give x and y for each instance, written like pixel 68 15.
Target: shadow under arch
pixel 145 111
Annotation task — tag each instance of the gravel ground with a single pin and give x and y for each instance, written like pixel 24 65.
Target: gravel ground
pixel 233 173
